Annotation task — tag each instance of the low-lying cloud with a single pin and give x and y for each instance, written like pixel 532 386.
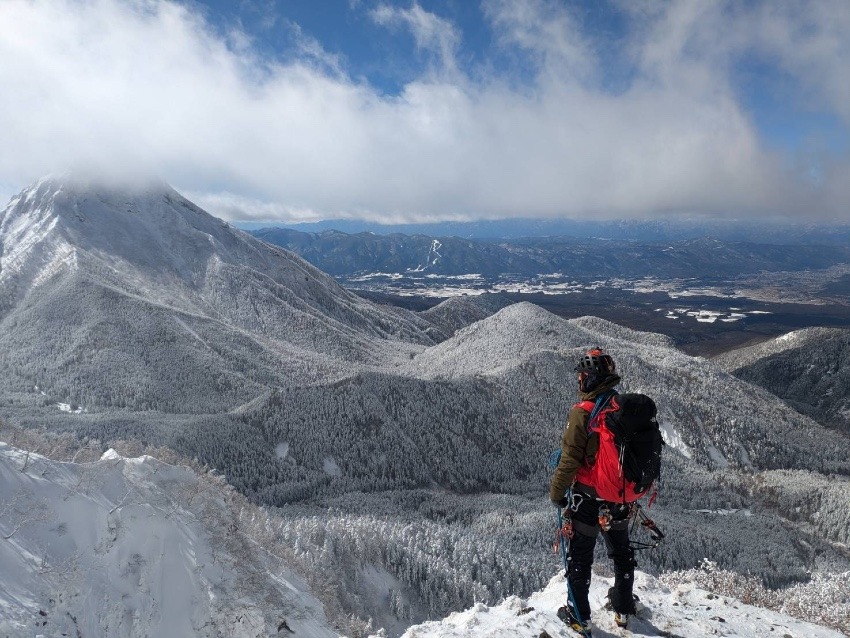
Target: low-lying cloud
pixel 133 87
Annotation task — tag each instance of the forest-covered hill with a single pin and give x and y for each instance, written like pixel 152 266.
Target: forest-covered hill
pixel 809 369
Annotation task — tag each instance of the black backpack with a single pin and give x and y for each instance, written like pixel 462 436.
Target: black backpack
pixel 630 444
pixel 638 438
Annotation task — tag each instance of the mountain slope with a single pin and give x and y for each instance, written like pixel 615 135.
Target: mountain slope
pixel 809 369
pixel 155 244
pixel 148 301
pixel 136 547
pixel 717 419
pixel 734 360
pixel 455 313
pixel 341 254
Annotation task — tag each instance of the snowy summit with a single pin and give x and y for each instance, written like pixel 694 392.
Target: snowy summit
pixel 675 611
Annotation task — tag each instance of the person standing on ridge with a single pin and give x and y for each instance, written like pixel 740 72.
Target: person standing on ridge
pixel 591 502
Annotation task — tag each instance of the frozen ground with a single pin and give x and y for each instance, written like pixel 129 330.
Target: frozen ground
pixel 681 611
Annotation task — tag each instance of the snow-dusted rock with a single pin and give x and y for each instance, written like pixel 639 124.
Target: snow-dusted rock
pixel 135 548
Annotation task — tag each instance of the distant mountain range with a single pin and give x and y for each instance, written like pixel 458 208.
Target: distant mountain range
pixel 345 255
pixel 760 230
pixel 378 431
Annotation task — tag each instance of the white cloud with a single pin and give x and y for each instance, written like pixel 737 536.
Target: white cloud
pixel 145 86
pixel 546 30
pixel 431 32
pixel 812 41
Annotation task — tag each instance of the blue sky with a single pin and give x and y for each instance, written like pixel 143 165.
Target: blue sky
pixel 438 109
pixel 387 58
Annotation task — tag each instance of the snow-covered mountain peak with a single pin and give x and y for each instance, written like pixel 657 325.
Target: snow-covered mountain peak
pixel 149 244
pixel 521 330
pixel 148 226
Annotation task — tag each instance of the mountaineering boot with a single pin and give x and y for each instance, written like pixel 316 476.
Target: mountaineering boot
pixel 566 614
pixel 622 620
pixel 621 617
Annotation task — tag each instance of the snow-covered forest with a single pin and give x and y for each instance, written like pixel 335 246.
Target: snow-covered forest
pixel 397 460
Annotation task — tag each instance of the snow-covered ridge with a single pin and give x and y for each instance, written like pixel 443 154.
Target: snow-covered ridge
pixel 664 610
pixel 742 357
pixel 29 246
pixel 135 547
pixel 529 344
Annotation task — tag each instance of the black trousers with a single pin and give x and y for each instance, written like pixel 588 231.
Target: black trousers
pixel 584 512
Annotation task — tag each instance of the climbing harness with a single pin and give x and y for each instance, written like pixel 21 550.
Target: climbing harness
pixel 640 518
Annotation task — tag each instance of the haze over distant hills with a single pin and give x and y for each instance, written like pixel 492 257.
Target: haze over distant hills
pixel 384 436
pixel 346 255
pixel 672 228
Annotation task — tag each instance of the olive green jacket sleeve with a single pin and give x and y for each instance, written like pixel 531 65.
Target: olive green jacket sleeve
pixel 574 450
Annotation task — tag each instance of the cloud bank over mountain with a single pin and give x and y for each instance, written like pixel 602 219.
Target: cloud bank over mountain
pixel 676 112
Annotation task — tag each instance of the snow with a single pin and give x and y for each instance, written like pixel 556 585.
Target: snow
pixel 186 327
pixel 110 455
pixel 432 259
pixel 709 316
pixel 133 548
pixel 467 277
pixel 678 610
pixel 672 437
pixel 66 407
pixel 741 357
pixel 705 317
pixel 20 237
pixel 717 456
pixel 281 450
pixel 330 467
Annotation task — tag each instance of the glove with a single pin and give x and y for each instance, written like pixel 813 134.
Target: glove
pixel 561 502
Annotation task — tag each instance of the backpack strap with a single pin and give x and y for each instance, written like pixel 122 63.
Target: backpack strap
pixel 600 404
